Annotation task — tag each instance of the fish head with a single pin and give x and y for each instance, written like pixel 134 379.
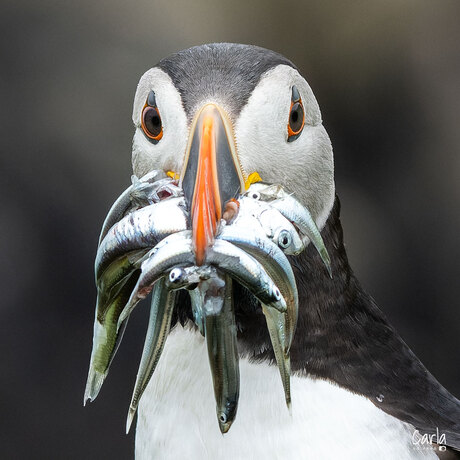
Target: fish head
pixel 226 414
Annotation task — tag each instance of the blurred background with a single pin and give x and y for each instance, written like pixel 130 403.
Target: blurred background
pixel 387 77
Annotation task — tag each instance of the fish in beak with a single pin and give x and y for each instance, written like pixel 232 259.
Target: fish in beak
pixel 211 175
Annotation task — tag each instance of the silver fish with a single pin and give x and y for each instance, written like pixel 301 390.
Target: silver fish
pixel 220 333
pixel 124 202
pixel 279 229
pixel 106 340
pixel 161 311
pixel 197 309
pixel 294 211
pixel 144 193
pixel 276 324
pixel 143 228
pixel 174 251
pixel 245 269
pixel 188 278
pixel 291 208
pixel 264 191
pixel 277 266
pixel 281 327
pixel 282 233
pixel 115 277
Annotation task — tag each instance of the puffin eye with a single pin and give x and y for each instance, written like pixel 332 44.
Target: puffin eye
pixel 296 116
pixel 151 120
pixel 151 123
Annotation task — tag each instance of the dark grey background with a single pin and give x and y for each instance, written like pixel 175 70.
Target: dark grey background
pixel 387 77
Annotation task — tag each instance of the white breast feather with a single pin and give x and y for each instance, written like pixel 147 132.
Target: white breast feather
pixel 177 415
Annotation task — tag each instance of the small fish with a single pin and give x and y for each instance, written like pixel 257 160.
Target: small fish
pixel 220 333
pixel 106 340
pixel 141 229
pixel 124 202
pixel 281 327
pixel 144 193
pixel 187 277
pixel 163 301
pixel 115 277
pixel 197 309
pixel 276 265
pixel 174 251
pixel 245 269
pixel 255 191
pixel 293 210
pixel 279 229
pixel 282 233
pixel 276 324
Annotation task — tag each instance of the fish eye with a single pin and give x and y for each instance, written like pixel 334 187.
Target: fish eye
pixel 255 195
pixel 296 116
pixel 175 275
pixel 151 120
pixel 223 417
pixel 284 239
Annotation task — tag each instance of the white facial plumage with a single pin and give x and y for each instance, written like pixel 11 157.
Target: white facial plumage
pixel 304 167
pixel 168 153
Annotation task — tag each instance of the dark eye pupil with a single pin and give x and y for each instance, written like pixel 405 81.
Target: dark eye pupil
pixel 152 121
pixel 296 117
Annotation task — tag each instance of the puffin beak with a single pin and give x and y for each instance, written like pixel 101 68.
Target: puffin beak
pixel 211 175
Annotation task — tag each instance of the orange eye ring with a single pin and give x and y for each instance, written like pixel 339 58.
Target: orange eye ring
pixel 151 120
pixel 296 116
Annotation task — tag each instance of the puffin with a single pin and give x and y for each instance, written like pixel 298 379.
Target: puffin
pixel 358 391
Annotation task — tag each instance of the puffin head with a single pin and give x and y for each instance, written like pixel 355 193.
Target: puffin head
pixel 219 117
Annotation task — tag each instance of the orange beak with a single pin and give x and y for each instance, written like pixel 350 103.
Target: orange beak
pixel 211 175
